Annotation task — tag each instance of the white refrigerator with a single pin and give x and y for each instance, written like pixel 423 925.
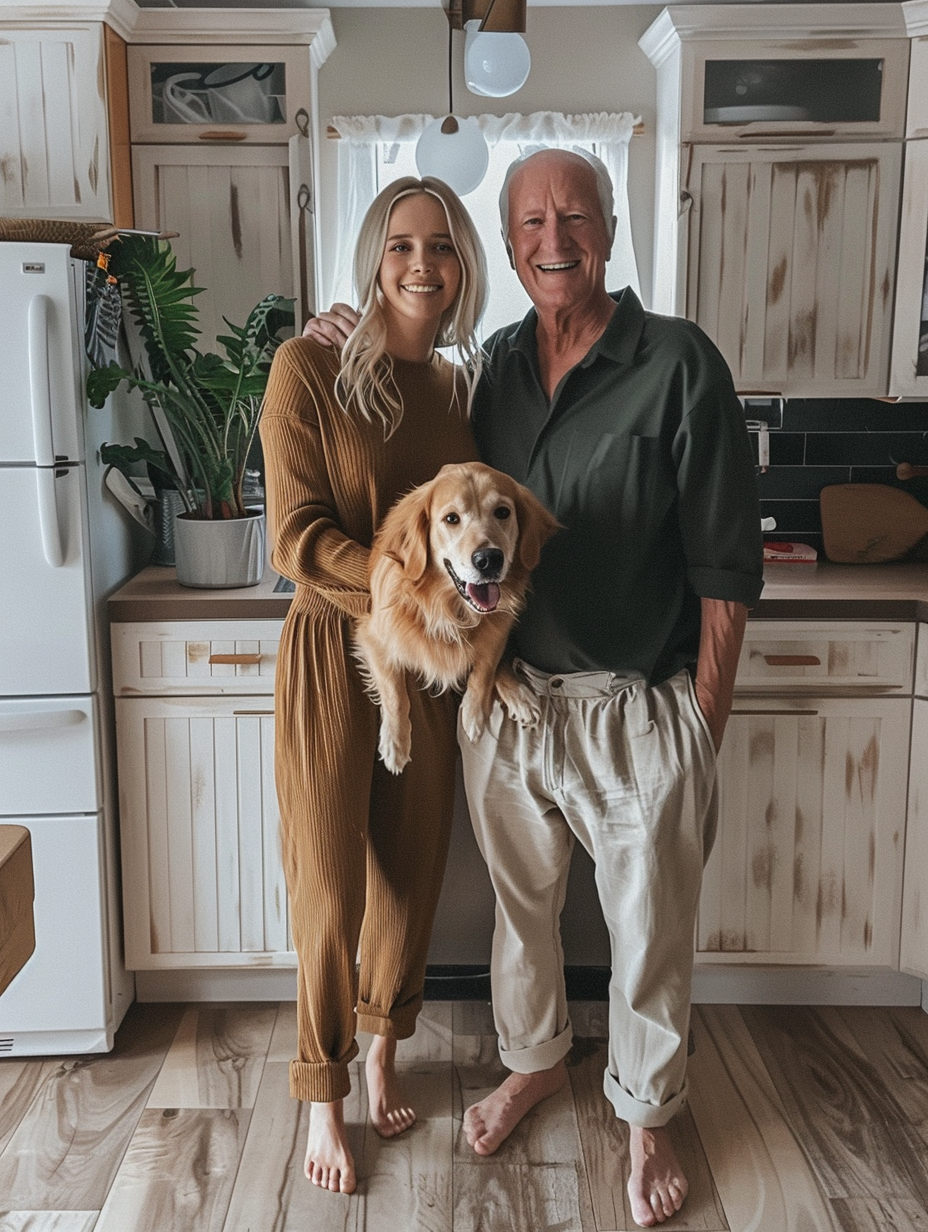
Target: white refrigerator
pixel 65 544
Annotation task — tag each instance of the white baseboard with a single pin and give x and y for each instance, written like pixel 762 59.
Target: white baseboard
pixel 740 985
pixel 712 985
pixel 210 985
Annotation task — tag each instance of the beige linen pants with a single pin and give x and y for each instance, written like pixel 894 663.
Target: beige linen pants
pixel 629 770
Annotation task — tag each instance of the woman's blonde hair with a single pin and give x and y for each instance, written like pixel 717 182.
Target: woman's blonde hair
pixel 365 382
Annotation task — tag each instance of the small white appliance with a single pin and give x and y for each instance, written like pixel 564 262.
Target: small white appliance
pixel 64 546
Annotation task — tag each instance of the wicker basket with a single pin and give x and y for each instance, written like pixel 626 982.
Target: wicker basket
pixel 87 239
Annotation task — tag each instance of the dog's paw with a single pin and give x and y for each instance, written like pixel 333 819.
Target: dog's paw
pixel 395 752
pixel 473 718
pixel 520 702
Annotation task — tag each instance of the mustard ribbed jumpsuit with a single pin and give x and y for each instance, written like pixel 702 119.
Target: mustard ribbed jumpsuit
pixel 364 851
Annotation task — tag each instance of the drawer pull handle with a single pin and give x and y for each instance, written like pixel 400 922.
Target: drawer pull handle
pixel 258 713
pixel 222 136
pixel 238 659
pixel 781 712
pixel 792 660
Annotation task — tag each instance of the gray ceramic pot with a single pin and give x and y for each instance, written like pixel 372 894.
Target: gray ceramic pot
pixel 221 554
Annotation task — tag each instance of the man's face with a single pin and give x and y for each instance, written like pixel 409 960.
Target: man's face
pixel 557 233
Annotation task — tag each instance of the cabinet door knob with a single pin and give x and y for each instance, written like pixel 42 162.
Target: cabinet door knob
pixel 795 660
pixel 235 658
pixel 221 135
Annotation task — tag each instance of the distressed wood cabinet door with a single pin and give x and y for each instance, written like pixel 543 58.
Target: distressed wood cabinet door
pixel 54 153
pixel 913 955
pixel 791 263
pixel 232 209
pixel 807 865
pixel 202 872
pixel 909 374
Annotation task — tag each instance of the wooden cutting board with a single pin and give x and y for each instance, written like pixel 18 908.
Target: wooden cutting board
pixel 870 523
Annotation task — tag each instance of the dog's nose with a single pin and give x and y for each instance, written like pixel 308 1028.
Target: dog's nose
pixel 487 560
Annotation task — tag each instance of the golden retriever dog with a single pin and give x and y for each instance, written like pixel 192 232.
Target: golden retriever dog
pixel 449 572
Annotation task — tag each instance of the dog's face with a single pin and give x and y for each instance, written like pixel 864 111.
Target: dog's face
pixel 471 525
pixel 473 532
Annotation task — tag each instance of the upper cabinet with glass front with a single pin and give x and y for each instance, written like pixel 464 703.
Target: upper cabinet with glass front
pixel 758 72
pixel 779 154
pixel 757 91
pixel 237 94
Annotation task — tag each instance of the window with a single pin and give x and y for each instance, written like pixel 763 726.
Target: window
pixel 376 150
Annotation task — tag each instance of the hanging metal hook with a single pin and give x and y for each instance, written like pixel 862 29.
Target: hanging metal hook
pixel 302 121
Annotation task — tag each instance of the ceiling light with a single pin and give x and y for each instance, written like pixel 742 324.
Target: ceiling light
pixel 495 64
pixel 453 149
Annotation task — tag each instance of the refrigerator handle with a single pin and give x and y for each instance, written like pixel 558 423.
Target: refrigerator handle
pixel 48 516
pixel 40 720
pixel 39 313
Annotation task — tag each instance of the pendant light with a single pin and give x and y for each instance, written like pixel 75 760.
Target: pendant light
pixel 453 148
pixel 495 63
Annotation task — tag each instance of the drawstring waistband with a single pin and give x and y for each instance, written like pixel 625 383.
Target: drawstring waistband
pixel 574 684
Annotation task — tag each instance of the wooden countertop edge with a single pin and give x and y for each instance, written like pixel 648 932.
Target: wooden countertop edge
pixel 871 593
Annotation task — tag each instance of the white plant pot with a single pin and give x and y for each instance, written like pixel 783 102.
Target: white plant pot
pixel 219 555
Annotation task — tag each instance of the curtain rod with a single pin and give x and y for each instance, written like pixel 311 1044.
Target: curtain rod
pixel 334 135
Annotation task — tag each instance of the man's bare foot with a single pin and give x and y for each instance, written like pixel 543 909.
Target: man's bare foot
pixel 657 1185
pixel 490 1122
pixel 329 1163
pixel 389 1111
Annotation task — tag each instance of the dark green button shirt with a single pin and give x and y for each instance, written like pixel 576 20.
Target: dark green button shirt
pixel 644 457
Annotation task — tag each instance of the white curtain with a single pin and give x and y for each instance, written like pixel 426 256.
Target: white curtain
pixel 374 150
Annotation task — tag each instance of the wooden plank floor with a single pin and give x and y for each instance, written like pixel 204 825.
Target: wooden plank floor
pixel 799 1120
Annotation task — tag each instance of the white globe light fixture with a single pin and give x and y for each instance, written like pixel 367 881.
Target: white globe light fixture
pixel 494 64
pixel 454 150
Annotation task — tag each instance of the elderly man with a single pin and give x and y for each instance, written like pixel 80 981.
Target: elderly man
pixel 626 426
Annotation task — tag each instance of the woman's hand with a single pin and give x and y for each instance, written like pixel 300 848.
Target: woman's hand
pixel 332 328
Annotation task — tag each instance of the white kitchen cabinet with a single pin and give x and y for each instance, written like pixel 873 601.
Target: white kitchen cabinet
pixel 54 139
pixel 778 194
pixel 199 94
pixel 807 865
pixel 909 374
pixel 202 875
pixel 792 254
pixel 225 125
pixel 232 210
pixel 753 88
pixel 808 862
pixel 914 945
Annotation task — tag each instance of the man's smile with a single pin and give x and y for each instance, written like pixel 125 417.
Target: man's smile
pixel 553 267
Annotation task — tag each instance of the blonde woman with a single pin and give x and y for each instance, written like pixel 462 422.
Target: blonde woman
pixel 364 850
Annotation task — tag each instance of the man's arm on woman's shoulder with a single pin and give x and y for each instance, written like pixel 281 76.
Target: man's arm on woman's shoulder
pixel 332 328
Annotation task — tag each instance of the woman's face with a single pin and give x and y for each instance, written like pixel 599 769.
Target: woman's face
pixel 420 274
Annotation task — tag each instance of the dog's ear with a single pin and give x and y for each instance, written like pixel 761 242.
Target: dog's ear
pixel 404 532
pixel 536 526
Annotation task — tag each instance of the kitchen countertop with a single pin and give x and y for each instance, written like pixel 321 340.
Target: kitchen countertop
pixel 820 591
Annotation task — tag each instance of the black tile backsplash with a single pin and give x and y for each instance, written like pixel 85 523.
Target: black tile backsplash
pixel 826 441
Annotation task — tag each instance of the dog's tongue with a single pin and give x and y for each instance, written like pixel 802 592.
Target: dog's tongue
pixel 484 594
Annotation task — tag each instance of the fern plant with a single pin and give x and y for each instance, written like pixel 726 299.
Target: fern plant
pixel 205 406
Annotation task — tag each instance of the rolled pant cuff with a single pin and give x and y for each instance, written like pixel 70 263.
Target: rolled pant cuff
pixel 319 1082
pixel 539 1056
pixel 636 1111
pixel 399 1024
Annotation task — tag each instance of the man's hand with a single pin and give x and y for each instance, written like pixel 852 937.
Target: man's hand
pixel 332 328
pixel 719 647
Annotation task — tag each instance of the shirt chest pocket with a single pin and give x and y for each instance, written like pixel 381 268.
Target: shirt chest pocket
pixel 615 475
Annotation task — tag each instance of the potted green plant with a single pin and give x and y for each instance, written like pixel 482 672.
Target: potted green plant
pixel 205 407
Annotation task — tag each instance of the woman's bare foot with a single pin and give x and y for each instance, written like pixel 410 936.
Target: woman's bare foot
pixel 389 1111
pixel 657 1185
pixel 329 1163
pixel 490 1122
